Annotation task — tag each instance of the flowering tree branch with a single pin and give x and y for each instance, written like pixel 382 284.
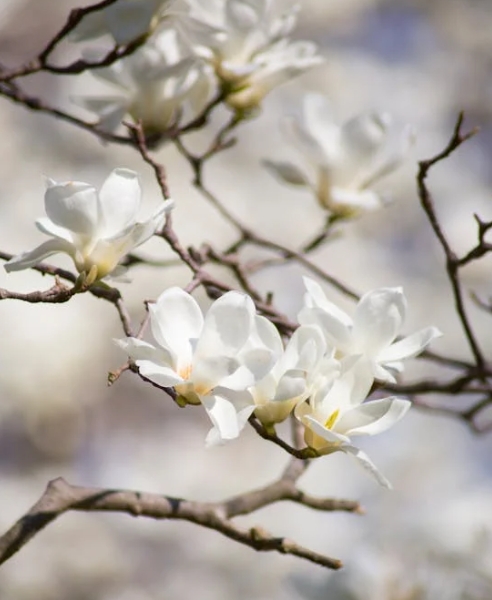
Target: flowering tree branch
pixel 243 361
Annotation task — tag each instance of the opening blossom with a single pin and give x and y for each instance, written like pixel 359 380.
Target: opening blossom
pixel 247 43
pixel 210 360
pixel 125 20
pixel 345 161
pixel 96 229
pixel 152 85
pixel 371 335
pixel 336 411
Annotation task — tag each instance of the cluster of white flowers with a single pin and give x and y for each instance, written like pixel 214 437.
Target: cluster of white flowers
pixel 96 229
pixel 233 362
pixel 240 48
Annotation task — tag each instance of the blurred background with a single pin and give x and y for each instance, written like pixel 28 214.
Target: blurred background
pixel 429 539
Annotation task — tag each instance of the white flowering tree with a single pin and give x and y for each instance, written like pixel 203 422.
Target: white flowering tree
pixel 334 376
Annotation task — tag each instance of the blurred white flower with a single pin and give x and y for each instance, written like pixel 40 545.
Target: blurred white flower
pixel 345 161
pixel 125 20
pixel 336 411
pixel 291 378
pixel 371 335
pixel 246 41
pixel 155 84
pixel 95 228
pixel 210 361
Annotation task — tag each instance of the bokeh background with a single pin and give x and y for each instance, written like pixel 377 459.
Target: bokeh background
pixel 428 539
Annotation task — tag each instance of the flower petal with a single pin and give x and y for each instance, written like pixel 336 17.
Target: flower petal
pixel 26 260
pixel 161 375
pixel 333 437
pixel 286 171
pixel 119 201
pixel 73 205
pixel 373 417
pixel 378 319
pixel 128 20
pixel 366 463
pixel 176 321
pixel 227 326
pixel 409 346
pixel 45 225
pixel 228 419
pixel 305 349
pixel 140 350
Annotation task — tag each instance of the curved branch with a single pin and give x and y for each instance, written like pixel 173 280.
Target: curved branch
pixel 61 497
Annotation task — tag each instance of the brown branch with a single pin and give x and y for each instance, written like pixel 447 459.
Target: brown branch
pixel 452 261
pixel 61 497
pixel 17 95
pixel 40 63
pixel 60 293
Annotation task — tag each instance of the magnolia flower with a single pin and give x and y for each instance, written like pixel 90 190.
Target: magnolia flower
pixel 289 381
pixel 246 41
pixel 336 411
pixel 125 20
pixel 96 229
pixel 154 85
pixel 379 316
pixel 345 160
pixel 210 361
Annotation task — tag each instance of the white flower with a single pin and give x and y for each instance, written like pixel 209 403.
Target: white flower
pixel 379 316
pixel 125 20
pixel 95 228
pixel 291 378
pixel 246 41
pixel 336 411
pixel 153 85
pixel 345 160
pixel 210 361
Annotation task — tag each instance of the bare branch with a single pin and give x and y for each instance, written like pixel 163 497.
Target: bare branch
pixel 452 261
pixel 61 497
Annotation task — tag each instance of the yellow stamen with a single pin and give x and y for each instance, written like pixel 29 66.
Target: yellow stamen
pixel 331 420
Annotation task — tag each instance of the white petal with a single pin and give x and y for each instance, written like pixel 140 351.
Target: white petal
pixel 291 385
pixel 176 321
pixel 362 137
pixel 378 319
pixel 128 20
pixel 336 332
pixel 141 232
pixel 266 334
pixel 409 346
pixel 329 435
pixel 287 172
pixel 163 376
pixel 210 371
pixel 258 361
pixel 227 326
pixel 366 463
pixel 353 201
pixel 91 26
pixel 319 300
pixel 73 205
pixel 140 350
pixel 119 201
pixel 227 420
pixel 304 349
pixel 45 225
pixel 373 417
pixel 27 260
